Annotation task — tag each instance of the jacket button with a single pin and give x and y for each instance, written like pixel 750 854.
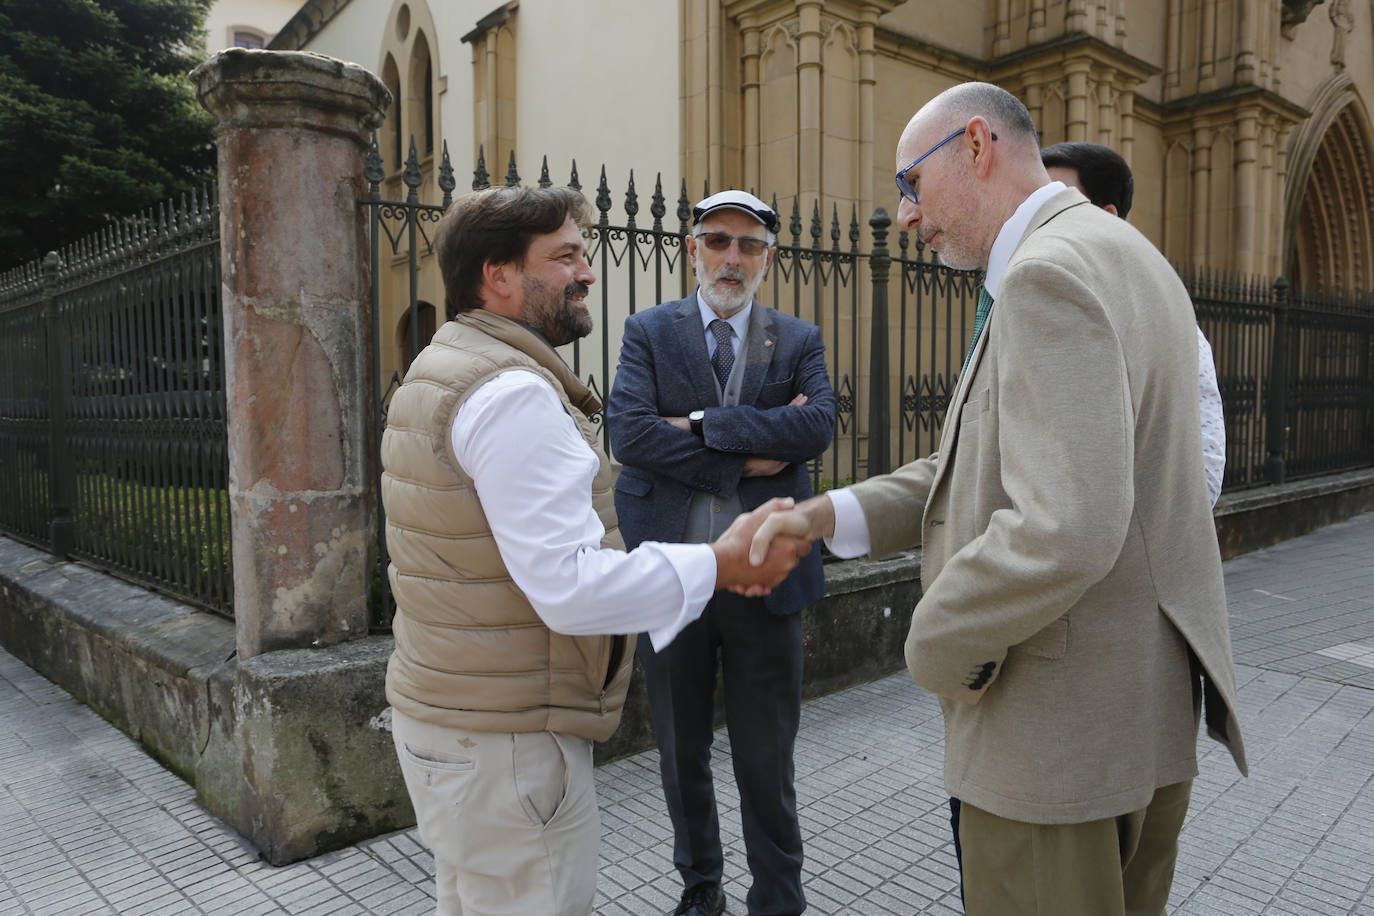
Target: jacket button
pixel 981 675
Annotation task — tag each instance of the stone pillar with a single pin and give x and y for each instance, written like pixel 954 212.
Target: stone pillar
pixel 868 81
pixel 749 90
pixel 1106 115
pixel 1202 193
pixel 1247 31
pixel 1127 143
pixel 1245 214
pixel 1035 100
pixel 291 131
pixel 809 127
pixel 1001 40
pixel 1207 48
pixel 1267 260
pixel 1037 29
pixel 715 99
pixel 1076 109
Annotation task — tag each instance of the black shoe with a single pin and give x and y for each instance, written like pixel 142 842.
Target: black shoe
pixel 702 900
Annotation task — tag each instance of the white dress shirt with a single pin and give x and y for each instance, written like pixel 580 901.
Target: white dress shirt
pixel 851 527
pixel 533 472
pixel 1213 423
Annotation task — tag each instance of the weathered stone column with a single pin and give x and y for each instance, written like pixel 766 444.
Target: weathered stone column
pixel 291 131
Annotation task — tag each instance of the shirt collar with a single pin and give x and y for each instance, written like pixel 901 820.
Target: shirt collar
pixel 738 321
pixel 1012 230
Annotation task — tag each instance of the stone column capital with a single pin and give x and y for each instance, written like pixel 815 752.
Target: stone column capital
pixel 250 88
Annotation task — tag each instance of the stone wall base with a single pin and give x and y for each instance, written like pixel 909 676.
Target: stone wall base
pixel 293 748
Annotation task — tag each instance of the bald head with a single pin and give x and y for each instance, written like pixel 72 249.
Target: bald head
pixel 968 158
pixel 1003 111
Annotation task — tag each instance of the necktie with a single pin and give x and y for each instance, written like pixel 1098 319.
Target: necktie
pixel 980 318
pixel 723 360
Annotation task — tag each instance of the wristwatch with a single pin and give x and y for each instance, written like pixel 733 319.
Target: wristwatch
pixel 694 418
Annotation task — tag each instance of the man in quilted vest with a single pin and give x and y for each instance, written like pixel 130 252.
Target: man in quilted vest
pixel 514 595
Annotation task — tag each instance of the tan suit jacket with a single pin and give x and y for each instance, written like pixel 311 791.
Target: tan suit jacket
pixel 1073 616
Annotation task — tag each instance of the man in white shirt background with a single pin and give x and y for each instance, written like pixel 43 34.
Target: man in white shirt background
pixel 514 596
pixel 1105 179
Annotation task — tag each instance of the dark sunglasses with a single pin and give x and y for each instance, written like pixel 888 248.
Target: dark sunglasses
pixel 907 190
pixel 720 241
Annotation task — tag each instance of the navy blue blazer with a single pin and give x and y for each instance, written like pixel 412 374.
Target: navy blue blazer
pixel 664 371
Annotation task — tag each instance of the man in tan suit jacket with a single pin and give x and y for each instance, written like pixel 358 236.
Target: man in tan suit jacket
pixel 1073 616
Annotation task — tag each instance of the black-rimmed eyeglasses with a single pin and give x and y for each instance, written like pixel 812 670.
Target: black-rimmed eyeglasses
pixel 905 189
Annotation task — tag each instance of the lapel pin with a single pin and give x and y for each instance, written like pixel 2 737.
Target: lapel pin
pixel 767 343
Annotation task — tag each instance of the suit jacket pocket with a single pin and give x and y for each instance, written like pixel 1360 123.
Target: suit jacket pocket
pixel 975 407
pixel 633 482
pixel 776 394
pixel 1050 642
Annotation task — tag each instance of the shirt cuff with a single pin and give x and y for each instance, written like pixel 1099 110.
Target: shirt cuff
pixel 851 526
pixel 695 565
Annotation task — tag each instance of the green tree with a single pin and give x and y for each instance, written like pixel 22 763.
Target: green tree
pixel 97 117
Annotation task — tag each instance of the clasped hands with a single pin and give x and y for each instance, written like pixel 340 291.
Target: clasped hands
pixel 760 548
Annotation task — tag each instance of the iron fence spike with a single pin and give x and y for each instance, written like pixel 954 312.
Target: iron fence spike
pixel 656 203
pixel 631 199
pixel 446 180
pixel 512 176
pixel 603 195
pixel 684 206
pixel 480 177
pixel 544 180
pixel 374 168
pixel 573 181
pixel 412 176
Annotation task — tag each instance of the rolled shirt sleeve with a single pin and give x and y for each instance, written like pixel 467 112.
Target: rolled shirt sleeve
pixel 533 473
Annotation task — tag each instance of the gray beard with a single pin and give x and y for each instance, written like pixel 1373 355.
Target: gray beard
pixel 727 307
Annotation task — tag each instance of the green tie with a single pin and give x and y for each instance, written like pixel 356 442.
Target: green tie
pixel 979 319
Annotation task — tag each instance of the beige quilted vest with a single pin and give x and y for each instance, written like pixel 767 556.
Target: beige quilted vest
pixel 470 650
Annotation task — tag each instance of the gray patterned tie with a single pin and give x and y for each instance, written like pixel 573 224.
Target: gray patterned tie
pixel 723 360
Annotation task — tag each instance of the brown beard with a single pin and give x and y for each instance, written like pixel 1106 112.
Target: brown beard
pixel 551 314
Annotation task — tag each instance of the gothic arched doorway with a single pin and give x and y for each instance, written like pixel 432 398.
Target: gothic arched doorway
pixel 1329 228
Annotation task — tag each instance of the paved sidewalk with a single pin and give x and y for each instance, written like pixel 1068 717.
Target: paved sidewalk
pixel 90 824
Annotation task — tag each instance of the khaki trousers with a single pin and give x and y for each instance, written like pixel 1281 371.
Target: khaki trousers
pixel 511 819
pixel 1117 866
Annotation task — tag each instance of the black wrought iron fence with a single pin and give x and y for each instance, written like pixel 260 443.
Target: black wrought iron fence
pixel 1296 373
pixel 113 444
pixel 897 323
pixel 112 403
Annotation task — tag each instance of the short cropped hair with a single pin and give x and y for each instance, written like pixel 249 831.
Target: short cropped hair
pixel 1103 174
pixel 496 225
pixel 1004 111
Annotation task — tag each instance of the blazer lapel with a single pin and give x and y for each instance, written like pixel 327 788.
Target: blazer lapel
pixel 691 341
pixel 763 339
pixel 949 434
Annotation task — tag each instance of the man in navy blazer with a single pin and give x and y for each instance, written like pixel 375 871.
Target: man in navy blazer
pixel 717 405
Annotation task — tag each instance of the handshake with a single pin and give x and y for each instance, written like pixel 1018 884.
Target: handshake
pixel 760 548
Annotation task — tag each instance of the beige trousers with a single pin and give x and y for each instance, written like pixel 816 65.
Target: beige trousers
pixel 1117 866
pixel 511 819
